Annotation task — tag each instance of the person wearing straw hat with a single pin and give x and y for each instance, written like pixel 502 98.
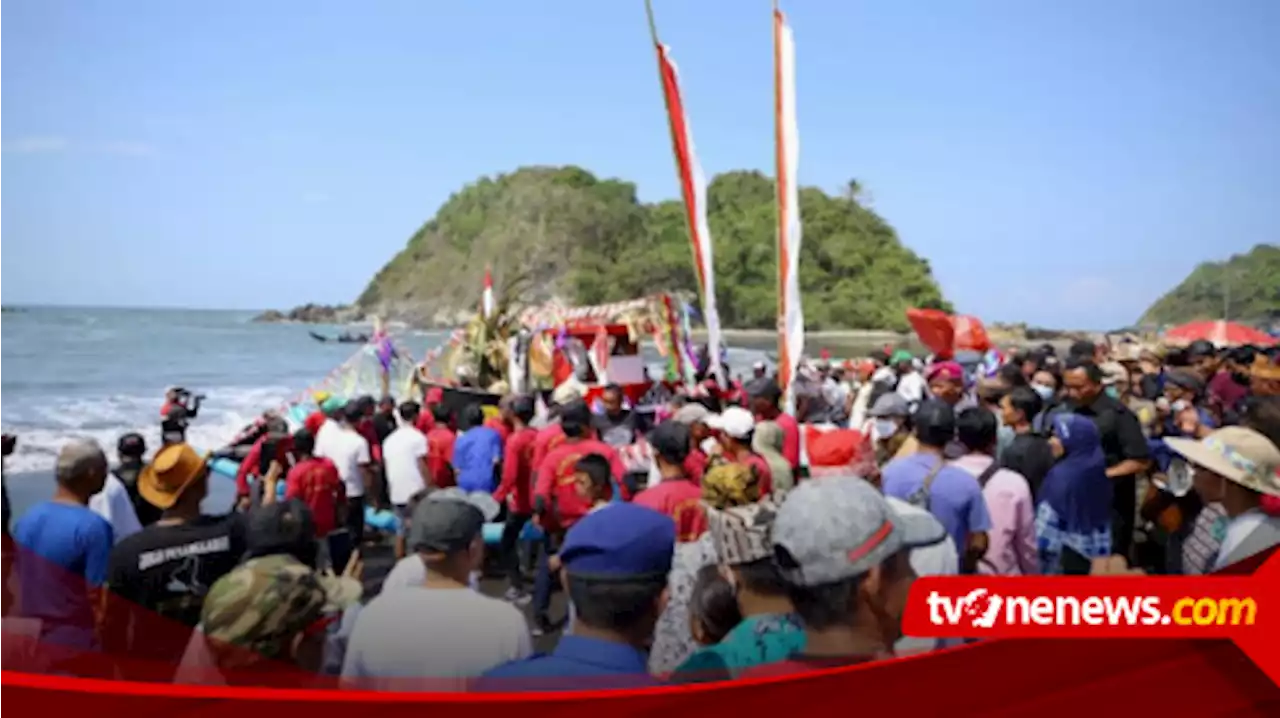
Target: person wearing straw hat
pixel 1237 467
pixel 166 569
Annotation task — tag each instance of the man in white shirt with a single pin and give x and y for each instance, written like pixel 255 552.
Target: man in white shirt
pixel 339 442
pixel 404 460
pixel 442 634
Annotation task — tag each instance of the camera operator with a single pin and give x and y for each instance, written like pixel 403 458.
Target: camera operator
pixel 175 397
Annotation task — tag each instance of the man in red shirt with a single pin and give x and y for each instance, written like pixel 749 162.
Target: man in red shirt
pixel 764 398
pixel 276 438
pixel 734 427
pixel 440 440
pixel 556 504
pixel 694 416
pixel 675 495
pixel 516 489
pixel 844 553
pixel 316 483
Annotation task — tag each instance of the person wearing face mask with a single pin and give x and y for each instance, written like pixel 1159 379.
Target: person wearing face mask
pixel 891 428
pixel 1237 467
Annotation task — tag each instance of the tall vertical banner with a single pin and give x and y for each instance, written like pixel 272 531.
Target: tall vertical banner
pixel 693 189
pixel 486 303
pixel 787 139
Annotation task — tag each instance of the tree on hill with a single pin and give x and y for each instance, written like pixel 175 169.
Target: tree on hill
pixel 1246 288
pixel 588 241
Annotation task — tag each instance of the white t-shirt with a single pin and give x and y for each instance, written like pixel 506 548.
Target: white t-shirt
pixel 432 639
pixel 401 452
pixel 348 451
pixel 113 504
pixel 911 387
pixel 411 572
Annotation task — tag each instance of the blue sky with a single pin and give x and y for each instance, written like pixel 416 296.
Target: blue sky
pixel 1058 162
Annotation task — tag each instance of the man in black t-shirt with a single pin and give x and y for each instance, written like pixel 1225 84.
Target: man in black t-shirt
pixel 158 577
pixel 1028 453
pixel 1123 444
pixel 617 426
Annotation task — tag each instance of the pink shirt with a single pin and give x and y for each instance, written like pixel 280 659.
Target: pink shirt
pixel 1012 548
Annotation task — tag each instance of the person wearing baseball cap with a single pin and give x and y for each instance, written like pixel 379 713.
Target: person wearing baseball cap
pixel 1236 466
pixel 907 381
pixel 165 569
pixel 614 566
pixel 759 370
pixel 130 450
pixel 844 554
pixel 892 427
pixel 267 616
pixel 733 428
pixel 441 633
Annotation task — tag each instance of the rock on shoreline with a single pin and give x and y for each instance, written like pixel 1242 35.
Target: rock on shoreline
pixel 313 314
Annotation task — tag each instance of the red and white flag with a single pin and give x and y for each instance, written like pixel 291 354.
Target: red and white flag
pixel 486 305
pixel 693 188
pixel 790 313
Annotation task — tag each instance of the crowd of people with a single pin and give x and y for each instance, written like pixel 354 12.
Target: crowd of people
pixel 692 541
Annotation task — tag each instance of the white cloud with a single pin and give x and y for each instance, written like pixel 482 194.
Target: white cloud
pixel 37 145
pixel 128 148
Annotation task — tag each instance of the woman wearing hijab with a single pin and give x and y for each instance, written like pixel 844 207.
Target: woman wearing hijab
pixel 767 442
pixel 1074 506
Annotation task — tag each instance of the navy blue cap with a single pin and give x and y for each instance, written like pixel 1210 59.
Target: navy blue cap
pixel 620 541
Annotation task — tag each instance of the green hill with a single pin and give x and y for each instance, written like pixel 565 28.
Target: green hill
pixel 587 241
pixel 1246 286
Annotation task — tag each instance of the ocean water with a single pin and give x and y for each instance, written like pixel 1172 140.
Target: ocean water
pixel 99 373
pixel 102 372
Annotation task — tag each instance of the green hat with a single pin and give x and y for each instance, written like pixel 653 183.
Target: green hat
pixel 332 404
pixel 900 356
pixel 264 602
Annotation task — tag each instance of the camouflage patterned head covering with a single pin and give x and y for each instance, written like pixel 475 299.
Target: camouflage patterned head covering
pixel 263 603
pixel 728 484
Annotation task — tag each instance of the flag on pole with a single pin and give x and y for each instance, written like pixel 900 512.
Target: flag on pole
pixel 790 313
pixel 693 189
pixel 487 304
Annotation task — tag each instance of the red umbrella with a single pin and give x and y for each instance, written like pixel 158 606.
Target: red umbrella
pixel 1220 332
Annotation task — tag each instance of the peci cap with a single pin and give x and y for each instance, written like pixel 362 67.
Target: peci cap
pixel 449 520
pixel 1240 455
pixel 264 602
pixel 890 405
pixel 740 534
pixel 836 528
pixel 171 471
pixel 621 541
pixel 734 422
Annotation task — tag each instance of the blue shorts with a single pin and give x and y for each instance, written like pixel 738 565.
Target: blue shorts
pixel 402 514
